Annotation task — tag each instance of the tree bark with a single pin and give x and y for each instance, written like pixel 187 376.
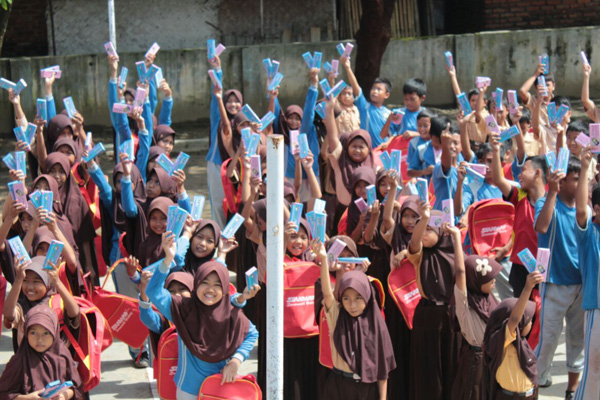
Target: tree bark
pixel 4 15
pixel 372 39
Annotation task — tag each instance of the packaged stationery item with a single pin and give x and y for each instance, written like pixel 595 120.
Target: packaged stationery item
pixel 294 141
pixel 18 192
pixel 335 250
pixel 595 137
pixel 250 114
pixel 253 144
pixel 528 260
pixel 296 213
pixel 110 49
pixel 276 81
pixel 584 58
pixel 562 161
pixel 70 106
pixel 542 83
pixel 491 123
pixel 152 50
pixel 165 163
pixel 479 168
pixel 397 116
pixel 251 277
pixel 255 167
pixel 319 205
pixel 545 61
pixel 20 161
pixel 140 97
pixel 422 189
pixel 198 207
pixel 180 162
pixel 127 148
pixel 177 222
pixel 449 61
pixel 55 388
pixel 303 145
pixel 53 255
pixel 95 152
pixel 266 120
pixel 123 77
pixel 152 267
pixel 232 226
pixel 542 260
pixel 513 102
pixel 396 163
pixel 122 108
pixel 352 260
pixel 463 101
pixel 499 97
pixel 361 204
pixel 371 195
pixel 42 109
pixel 386 160
pixel 509 133
pixel 320 224
pixel 214 78
pixel 18 249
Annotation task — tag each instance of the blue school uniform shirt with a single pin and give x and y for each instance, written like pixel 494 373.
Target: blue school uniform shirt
pixel 444 184
pixel 214 156
pixel 413 158
pixel 423 158
pixel 409 121
pixel 589 260
pixel 484 192
pixel 191 371
pixel 563 267
pixel 372 119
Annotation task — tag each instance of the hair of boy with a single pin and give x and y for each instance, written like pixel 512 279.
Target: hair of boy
pixel 438 125
pixel 386 82
pixel 415 85
pixel 504 102
pixel 426 114
pixel 483 151
pixel 596 196
pixel 574 165
pixel 525 116
pixel 539 162
pixel 505 146
pixel 578 126
pixel 561 101
pixel 472 93
pixel 549 77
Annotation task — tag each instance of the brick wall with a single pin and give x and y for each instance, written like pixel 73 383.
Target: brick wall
pixel 536 14
pixel 26 33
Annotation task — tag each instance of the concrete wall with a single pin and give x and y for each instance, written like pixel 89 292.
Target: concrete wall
pixel 509 58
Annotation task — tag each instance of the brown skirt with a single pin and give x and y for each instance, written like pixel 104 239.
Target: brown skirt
pixel 434 350
pixel 467 383
pixel 338 387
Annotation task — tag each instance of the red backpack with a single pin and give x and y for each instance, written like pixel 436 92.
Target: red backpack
pixel 490 225
pixel 233 196
pixel 94 337
pixel 325 358
pixel 244 388
pixel 165 366
pixel 402 286
pixel 121 312
pixel 397 143
pixel 299 295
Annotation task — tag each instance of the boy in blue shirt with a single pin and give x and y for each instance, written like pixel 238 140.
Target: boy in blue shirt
pixel 561 293
pixel 444 173
pixel 425 150
pixel 373 114
pixel 415 91
pixel 588 238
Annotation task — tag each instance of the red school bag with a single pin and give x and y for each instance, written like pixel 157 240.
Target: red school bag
pixel 165 366
pixel 402 286
pixel 94 337
pixel 490 225
pixel 325 358
pixel 299 279
pixel 121 312
pixel 244 388
pixel 399 143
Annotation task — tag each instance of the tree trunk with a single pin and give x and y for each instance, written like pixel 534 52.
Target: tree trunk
pixel 372 39
pixel 4 15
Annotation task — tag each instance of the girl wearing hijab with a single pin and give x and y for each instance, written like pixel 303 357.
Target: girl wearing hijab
pixel 357 220
pixel 510 365
pixel 41 359
pixel 217 152
pixel 34 285
pixel 294 118
pixel 75 208
pixel 164 136
pixel 155 152
pixel 474 301
pixel 434 342
pixel 149 250
pixel 213 336
pixel 361 348
pixel 346 154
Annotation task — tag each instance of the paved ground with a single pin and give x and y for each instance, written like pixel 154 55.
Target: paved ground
pixel 119 379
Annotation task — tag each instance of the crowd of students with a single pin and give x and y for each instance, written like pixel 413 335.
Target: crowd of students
pixel 471 333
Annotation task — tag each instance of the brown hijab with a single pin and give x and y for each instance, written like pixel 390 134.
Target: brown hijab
pixel 493 345
pixel 401 237
pixel 150 249
pixel 211 333
pixel 65 141
pixel 283 120
pixel 74 204
pixel 364 341
pixel 437 268
pixel 168 186
pixel 347 166
pixel 236 136
pixel 154 152
pixel 191 261
pixel 36 267
pixel 161 132
pixel 185 278
pixel 363 173
pixel 29 370
pixel 479 271
pixel 55 127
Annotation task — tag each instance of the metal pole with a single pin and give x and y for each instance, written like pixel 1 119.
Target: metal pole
pixel 275 250
pixel 112 35
pixel 262 20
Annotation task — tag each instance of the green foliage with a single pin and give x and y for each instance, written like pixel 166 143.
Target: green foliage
pixel 4 4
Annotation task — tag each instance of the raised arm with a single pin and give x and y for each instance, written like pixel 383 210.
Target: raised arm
pixel 374 211
pixel 535 115
pixel 465 143
pixel 581 197
pixel 524 90
pixel 226 132
pixel 345 61
pixel 497 174
pixel 588 104
pixel 313 182
pixel 459 257
pixel 415 244
pixel 519 309
pixel 328 298
pixel 388 223
pixel 455 85
pixel 333 138
pixel 544 218
pixel 446 153
pixel 480 104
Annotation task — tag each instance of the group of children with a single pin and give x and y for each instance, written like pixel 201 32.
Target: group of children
pixel 470 335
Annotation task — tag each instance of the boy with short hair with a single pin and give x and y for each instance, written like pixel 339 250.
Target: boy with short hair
pixel 551 136
pixel 530 100
pixel 373 114
pixel 588 237
pixel 424 151
pixel 561 293
pixel 588 105
pixel 532 179
pixel 444 175
pixel 573 130
pixel 414 92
